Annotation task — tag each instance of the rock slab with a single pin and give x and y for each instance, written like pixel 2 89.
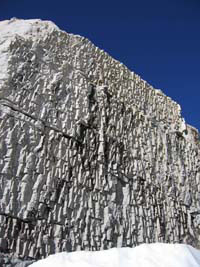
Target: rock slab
pixel 91 155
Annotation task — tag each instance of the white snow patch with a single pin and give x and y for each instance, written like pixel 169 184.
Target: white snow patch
pixel 25 28
pixel 33 28
pixel 146 255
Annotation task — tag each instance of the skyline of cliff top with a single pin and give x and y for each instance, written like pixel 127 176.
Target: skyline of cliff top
pixel 158 41
pixel 92 156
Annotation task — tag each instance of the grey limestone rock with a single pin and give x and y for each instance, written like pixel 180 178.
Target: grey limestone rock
pixel 91 155
pixel 8 261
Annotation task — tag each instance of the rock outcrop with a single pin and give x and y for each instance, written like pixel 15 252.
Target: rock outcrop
pixel 91 156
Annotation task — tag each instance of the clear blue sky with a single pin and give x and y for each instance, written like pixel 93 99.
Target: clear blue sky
pixel 157 39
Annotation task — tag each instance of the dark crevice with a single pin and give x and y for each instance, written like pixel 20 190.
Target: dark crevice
pixel 44 124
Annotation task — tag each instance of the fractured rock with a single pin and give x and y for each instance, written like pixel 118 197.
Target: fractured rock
pixel 91 155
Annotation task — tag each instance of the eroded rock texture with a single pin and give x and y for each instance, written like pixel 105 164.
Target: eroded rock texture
pixel 91 156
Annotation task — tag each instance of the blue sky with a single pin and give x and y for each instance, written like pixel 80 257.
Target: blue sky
pixel 157 39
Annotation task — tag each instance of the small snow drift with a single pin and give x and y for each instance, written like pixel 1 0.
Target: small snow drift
pixel 146 255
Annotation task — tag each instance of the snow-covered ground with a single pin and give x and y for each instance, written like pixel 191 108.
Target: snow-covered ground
pixel 146 255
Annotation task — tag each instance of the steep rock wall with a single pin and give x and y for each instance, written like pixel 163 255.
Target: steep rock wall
pixel 91 156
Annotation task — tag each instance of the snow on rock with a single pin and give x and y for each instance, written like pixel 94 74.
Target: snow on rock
pixel 146 255
pixel 27 28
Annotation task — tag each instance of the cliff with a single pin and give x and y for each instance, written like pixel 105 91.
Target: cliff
pixel 91 155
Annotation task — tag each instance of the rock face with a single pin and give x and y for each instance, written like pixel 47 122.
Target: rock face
pixel 91 156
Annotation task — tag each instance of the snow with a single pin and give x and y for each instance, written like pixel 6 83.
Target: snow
pixel 9 29
pixel 146 255
pixel 25 28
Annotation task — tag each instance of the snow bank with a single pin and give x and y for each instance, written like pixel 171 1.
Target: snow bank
pixel 146 255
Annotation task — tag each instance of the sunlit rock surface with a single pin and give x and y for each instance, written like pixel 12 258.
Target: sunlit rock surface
pixel 91 156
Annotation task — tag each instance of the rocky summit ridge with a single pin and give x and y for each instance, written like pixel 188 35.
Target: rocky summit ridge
pixel 91 155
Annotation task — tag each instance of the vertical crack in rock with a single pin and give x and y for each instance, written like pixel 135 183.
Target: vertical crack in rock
pixel 91 155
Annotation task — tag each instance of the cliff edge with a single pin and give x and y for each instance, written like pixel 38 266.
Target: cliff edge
pixel 91 155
